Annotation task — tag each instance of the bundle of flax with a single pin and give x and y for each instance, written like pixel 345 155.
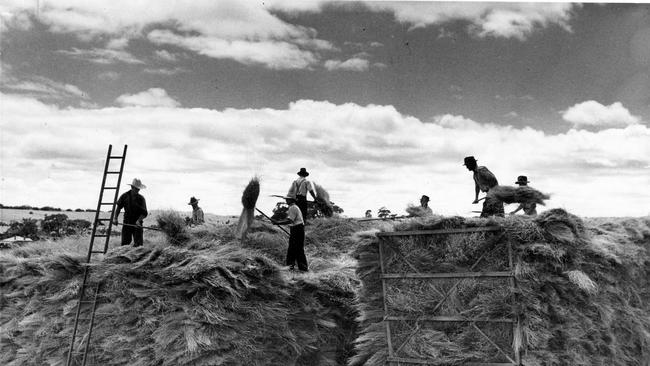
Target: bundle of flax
pixel 248 200
pixel 323 201
pixel 522 194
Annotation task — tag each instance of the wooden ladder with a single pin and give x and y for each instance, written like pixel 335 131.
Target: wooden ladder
pixel 88 293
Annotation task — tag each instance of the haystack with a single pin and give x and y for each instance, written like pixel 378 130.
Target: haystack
pixel 323 201
pixel 580 301
pixel 210 302
pixel 521 194
pixel 248 200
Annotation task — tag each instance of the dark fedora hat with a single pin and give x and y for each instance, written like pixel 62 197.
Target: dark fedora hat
pixel 193 200
pixel 469 159
pixel 425 197
pixel 522 179
pixel 303 172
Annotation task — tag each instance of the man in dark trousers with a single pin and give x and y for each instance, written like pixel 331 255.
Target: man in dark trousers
pixel 135 210
pixel 299 189
pixel 484 180
pixel 296 250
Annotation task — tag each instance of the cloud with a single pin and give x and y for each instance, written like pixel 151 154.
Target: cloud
pixel 102 56
pixel 39 87
pixel 165 71
pixel 154 97
pixel 365 156
pixel 507 20
pixel 166 56
pixel 352 64
pixel 108 75
pixel 592 113
pixel 270 53
pixel 244 31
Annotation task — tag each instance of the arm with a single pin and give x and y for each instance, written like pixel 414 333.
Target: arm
pixel 312 190
pixel 476 190
pixel 143 211
pixel 120 205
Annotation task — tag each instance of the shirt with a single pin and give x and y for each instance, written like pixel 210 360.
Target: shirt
pixel 300 187
pixel 294 215
pixel 134 206
pixel 197 216
pixel 484 179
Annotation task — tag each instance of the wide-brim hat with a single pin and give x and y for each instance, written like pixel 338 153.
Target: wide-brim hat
pixel 193 200
pixel 522 179
pixel 424 197
pixel 137 184
pixel 303 172
pixel 469 159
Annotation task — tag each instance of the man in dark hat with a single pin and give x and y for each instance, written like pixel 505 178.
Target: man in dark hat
pixel 197 212
pixel 135 210
pixel 296 250
pixel 299 189
pixel 424 203
pixel 484 180
pixel 529 208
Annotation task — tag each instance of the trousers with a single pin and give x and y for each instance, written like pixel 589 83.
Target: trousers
pixel 296 250
pixel 132 233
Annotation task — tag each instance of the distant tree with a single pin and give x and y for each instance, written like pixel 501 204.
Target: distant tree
pixel 383 212
pixel 78 210
pixel 280 211
pixel 27 228
pixel 56 223
pixel 68 210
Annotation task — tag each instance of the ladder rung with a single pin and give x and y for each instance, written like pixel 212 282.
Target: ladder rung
pixel 110 187
pixel 113 172
pixel 106 203
pixel 116 157
pixel 98 252
pixel 101 235
pixel 103 219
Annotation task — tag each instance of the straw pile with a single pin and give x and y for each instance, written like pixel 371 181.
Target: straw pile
pixel 521 194
pixel 248 200
pixel 172 224
pixel 323 201
pixel 583 292
pixel 210 302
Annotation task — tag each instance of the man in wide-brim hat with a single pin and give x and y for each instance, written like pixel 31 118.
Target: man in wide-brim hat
pixel 484 180
pixel 424 203
pixel 299 189
pixel 135 210
pixel 529 208
pixel 197 213
pixel 296 250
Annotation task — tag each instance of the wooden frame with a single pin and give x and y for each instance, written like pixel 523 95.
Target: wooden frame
pixel 393 359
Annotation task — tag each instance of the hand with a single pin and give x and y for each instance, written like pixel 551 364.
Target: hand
pixel 139 223
pixel 115 222
pixel 475 201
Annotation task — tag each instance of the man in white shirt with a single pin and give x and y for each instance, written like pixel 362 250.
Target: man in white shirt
pixel 296 250
pixel 299 189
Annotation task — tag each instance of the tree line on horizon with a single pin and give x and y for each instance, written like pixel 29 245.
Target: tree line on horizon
pixel 45 208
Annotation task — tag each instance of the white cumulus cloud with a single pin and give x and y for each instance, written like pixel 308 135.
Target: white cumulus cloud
pixel 154 97
pixel 592 113
pixel 365 156
pixel 352 64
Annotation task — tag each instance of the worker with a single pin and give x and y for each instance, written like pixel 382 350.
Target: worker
pixel 368 213
pixel 529 208
pixel 197 212
pixel 484 180
pixel 299 189
pixel 296 250
pixel 135 210
pixel 424 204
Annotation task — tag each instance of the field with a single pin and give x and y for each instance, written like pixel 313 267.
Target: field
pixel 211 299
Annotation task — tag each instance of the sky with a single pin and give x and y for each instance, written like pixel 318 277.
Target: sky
pixel 380 101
